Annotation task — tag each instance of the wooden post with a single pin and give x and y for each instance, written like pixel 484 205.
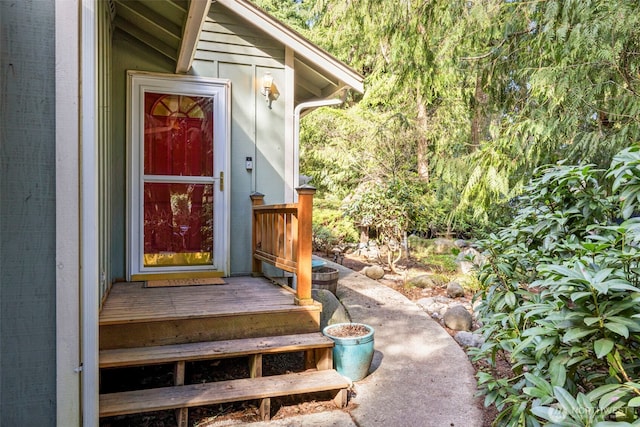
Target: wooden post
pixel 305 230
pixel 257 199
pixel 182 414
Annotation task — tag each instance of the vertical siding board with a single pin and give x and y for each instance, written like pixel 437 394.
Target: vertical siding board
pixel 27 214
pixel 104 143
pixel 242 146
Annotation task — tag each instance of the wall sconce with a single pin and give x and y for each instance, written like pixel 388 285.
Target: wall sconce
pixel 269 89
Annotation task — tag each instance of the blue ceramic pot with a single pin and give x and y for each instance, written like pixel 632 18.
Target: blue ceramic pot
pixel 352 356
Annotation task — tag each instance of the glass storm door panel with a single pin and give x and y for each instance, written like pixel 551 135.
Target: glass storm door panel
pixel 178 209
pixel 178 154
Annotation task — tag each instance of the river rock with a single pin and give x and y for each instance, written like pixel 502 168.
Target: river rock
pixel 455 290
pixel 458 318
pixel 435 306
pixel 469 339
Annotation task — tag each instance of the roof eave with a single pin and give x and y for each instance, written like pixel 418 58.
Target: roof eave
pixel 197 13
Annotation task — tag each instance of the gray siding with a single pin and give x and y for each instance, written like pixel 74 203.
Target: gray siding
pixel 104 125
pixel 127 54
pixel 227 38
pixel 230 49
pixel 27 214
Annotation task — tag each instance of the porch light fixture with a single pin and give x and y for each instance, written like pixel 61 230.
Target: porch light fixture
pixel 268 89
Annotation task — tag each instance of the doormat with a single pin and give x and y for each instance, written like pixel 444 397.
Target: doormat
pixel 185 282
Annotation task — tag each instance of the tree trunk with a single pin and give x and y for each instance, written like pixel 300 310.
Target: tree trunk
pixel 364 234
pixel 422 149
pixel 480 122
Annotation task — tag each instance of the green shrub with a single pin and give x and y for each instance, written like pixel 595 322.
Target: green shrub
pixel 422 251
pixel 560 297
pixel 330 227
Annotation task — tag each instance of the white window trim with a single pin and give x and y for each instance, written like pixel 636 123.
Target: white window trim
pixel 220 90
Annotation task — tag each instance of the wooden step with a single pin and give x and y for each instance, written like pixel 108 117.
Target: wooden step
pixel 245 307
pixel 189 352
pixel 187 396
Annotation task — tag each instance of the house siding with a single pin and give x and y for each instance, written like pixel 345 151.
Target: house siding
pixel 104 123
pixel 127 54
pixel 27 214
pixel 230 49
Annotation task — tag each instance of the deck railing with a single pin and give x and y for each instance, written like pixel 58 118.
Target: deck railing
pixel 282 237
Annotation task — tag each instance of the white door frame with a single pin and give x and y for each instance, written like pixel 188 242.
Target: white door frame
pixel 139 83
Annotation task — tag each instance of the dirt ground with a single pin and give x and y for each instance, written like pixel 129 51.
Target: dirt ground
pixel 158 376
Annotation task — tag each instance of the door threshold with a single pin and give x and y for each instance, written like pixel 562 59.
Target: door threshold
pixel 176 275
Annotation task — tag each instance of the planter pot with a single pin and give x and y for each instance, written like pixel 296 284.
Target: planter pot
pixel 317 263
pixel 352 354
pixel 325 278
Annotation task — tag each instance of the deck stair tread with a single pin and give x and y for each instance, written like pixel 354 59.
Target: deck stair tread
pixel 186 396
pixel 212 350
pixel 123 306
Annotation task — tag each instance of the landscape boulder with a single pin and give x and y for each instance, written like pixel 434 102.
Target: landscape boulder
pixel 468 259
pixel 461 243
pixel 374 272
pixel 332 309
pixel 458 318
pixel 443 246
pixel 424 281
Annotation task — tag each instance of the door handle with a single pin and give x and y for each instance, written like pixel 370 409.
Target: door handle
pixel 221 181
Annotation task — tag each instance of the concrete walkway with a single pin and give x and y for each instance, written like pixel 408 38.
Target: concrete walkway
pixel 419 376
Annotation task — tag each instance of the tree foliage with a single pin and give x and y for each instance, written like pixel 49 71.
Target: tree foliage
pixel 297 14
pixel 488 91
pixel 561 298
pixel 494 89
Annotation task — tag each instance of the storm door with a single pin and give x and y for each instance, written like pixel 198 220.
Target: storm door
pixel 178 162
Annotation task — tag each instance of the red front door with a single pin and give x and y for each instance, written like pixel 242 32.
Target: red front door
pixel 178 180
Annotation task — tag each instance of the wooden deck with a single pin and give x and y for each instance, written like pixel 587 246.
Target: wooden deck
pixel 245 316
pixel 134 315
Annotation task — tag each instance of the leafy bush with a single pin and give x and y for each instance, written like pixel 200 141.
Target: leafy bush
pixel 330 227
pixel 422 250
pixel 561 298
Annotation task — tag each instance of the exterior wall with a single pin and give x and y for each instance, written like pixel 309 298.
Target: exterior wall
pixel 104 124
pixel 27 214
pixel 229 49
pixel 127 54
